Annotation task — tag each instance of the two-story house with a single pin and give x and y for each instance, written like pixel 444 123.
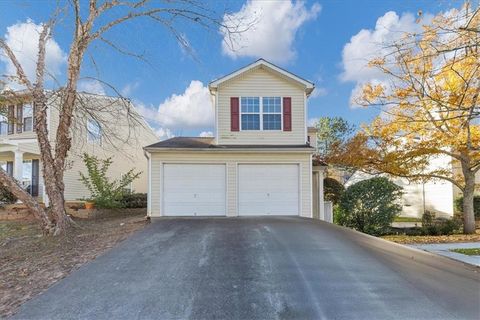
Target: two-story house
pixel 103 126
pixel 259 161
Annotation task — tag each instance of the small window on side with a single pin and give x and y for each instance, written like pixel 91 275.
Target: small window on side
pixel 94 131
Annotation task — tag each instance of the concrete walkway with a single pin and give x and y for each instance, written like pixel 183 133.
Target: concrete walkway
pixel 444 250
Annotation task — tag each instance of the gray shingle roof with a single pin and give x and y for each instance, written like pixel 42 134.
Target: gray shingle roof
pixel 207 142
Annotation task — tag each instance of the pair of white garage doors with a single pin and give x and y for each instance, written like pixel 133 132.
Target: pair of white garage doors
pixel 201 189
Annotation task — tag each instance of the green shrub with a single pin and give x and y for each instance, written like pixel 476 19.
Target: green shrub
pixel 369 206
pixel 105 192
pixel 134 200
pixel 332 190
pixel 432 226
pixel 476 205
pixel 6 197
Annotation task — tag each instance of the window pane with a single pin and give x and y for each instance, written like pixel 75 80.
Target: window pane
pixel 3 128
pixel 27 117
pixel 27 111
pixel 250 104
pixel 250 122
pixel 27 124
pixel 271 105
pixel 272 122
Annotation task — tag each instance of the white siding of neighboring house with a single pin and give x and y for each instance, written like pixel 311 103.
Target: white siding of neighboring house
pixel 231 160
pixel 436 196
pixel 260 82
pixel 126 151
pixel 312 136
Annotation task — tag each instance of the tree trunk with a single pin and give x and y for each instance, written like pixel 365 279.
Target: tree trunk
pixel 33 205
pixel 51 185
pixel 468 195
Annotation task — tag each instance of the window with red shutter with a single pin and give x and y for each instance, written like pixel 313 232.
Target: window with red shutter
pixel 287 114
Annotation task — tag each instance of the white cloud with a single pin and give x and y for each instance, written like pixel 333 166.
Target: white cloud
pixel 191 110
pixel 319 92
pixel 164 134
pixel 91 86
pixel 128 89
pixel 312 122
pixel 22 38
pixel 368 44
pixel 206 134
pixel 271 27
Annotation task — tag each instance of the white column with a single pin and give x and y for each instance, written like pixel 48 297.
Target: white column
pixel 18 165
pixel 320 195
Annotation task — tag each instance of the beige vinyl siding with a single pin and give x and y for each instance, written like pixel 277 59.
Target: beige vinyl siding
pixel 30 147
pixel 257 83
pixel 124 145
pixel 232 160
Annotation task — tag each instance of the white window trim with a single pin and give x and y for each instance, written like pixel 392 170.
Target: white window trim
pixel 260 112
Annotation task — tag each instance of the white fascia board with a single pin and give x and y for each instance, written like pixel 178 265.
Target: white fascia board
pixel 309 86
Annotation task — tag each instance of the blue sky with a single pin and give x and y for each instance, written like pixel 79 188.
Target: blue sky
pixel 322 41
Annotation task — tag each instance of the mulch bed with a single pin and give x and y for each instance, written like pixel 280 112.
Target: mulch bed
pixel 454 238
pixel 31 262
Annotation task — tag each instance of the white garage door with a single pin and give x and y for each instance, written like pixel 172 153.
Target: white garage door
pixel 194 190
pixel 268 189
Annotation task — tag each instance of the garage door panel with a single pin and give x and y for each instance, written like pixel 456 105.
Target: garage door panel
pixel 268 189
pixel 194 190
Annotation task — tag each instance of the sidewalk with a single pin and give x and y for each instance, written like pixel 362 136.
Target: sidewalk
pixel 444 250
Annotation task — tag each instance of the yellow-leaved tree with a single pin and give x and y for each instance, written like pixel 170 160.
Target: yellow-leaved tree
pixel 429 125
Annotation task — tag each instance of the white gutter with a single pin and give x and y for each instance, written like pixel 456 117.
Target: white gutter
pixel 149 190
pixel 230 150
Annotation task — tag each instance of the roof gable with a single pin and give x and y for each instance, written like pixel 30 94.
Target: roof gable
pixel 309 86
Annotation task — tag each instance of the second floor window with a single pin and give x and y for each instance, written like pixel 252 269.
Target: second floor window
pixel 250 109
pixel 27 118
pixel 261 113
pixel 272 113
pixel 94 132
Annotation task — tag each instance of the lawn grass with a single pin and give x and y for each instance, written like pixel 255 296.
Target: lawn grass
pixel 407 219
pixel 468 251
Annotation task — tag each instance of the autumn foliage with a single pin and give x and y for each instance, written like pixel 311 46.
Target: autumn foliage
pixel 429 124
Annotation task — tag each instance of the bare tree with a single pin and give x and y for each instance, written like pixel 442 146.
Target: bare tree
pixel 90 24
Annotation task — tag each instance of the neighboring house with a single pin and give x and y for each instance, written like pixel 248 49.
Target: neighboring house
pixel 436 196
pixel 101 128
pixel 259 161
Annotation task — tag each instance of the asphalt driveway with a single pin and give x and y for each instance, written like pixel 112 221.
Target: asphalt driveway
pixel 261 268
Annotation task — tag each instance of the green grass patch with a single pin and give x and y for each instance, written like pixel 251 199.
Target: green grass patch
pixel 468 252
pixel 407 219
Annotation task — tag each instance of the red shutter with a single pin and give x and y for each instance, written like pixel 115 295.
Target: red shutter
pixel 234 114
pixel 287 114
pixel 19 118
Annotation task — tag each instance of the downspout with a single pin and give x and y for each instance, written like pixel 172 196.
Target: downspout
pixel 149 190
